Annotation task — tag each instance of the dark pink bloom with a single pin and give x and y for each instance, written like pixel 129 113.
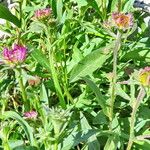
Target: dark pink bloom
pixel 30 115
pixel 15 55
pixel 42 13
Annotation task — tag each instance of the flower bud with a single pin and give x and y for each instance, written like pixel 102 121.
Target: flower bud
pixel 30 115
pixel 42 13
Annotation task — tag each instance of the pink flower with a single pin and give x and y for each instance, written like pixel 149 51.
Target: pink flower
pixel 30 115
pixel 42 13
pixel 122 21
pixel 15 55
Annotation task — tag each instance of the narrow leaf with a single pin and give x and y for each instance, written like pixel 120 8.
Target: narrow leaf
pixel 22 122
pixel 41 59
pixel 100 98
pixel 88 65
pixel 93 143
pixel 7 15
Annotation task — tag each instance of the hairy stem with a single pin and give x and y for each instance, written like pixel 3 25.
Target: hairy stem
pixel 114 79
pixel 133 117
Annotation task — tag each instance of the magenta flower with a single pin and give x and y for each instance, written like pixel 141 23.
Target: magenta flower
pixel 30 115
pixel 15 55
pixel 42 13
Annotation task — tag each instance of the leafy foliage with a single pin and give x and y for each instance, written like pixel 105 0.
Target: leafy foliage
pixel 69 94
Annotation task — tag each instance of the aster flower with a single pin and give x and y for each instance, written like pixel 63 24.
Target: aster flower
pixel 144 76
pixel 122 21
pixel 42 13
pixel 30 115
pixel 15 55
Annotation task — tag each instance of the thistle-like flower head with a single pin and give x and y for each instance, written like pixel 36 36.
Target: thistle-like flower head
pixel 41 14
pixel 16 55
pixel 122 21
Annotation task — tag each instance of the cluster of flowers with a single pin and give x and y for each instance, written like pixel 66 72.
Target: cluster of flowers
pixel 18 53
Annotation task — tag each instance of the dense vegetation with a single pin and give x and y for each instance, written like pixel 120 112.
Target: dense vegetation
pixel 74 75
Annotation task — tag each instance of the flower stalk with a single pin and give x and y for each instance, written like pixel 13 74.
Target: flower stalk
pixel 53 69
pixel 114 78
pixel 23 91
pixel 133 117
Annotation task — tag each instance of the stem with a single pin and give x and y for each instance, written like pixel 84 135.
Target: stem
pixel 53 70
pixel 56 146
pixel 133 117
pixel 66 89
pixel 24 95
pixel 114 79
pixel 119 5
pixel 19 30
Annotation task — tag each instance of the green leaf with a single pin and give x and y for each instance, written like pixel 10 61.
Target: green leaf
pixel 93 143
pixel 41 58
pixel 114 5
pixel 138 54
pixel 36 27
pixel 88 65
pixel 112 142
pixel 7 15
pixel 128 6
pixel 25 148
pixel 80 2
pixel 22 122
pixel 43 94
pixel 59 10
pixel 100 98
pixel 76 137
pixel 142 145
pixel 121 92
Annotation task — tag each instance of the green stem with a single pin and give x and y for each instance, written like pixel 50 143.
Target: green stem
pixel 53 70
pixel 56 146
pixel 114 79
pixel 133 117
pixel 23 92
pixel 19 29
pixel 66 89
pixel 119 5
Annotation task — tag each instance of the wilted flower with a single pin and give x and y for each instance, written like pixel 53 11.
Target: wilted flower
pixel 144 76
pixel 15 55
pixel 30 115
pixel 122 21
pixel 42 13
pixel 34 80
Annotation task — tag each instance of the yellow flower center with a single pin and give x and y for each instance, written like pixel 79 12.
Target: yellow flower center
pixel 144 78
